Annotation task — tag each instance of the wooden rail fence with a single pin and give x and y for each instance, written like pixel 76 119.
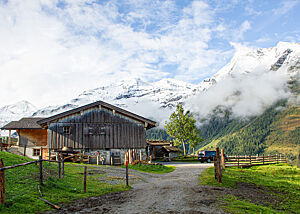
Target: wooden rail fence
pixel 250 160
pixel 40 161
pixel 128 155
pixel 221 162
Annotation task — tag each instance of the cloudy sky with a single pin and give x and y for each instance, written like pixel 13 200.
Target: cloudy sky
pixel 52 50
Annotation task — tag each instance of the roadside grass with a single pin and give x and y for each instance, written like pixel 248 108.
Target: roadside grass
pixel 186 159
pixel 158 169
pixel 21 185
pixel 280 179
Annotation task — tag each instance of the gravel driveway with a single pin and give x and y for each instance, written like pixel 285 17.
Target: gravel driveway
pixel 175 192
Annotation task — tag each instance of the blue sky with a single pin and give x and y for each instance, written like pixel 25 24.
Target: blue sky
pixel 52 50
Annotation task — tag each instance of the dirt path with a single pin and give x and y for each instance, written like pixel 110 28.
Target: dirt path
pixel 175 192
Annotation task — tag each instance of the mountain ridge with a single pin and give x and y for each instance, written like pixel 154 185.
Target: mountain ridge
pixel 156 100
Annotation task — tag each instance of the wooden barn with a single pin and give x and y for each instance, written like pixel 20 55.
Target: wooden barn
pixel 96 127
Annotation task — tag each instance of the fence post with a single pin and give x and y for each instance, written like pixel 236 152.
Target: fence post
pixel 238 161
pixel 59 167
pixel 2 183
pixel 250 160
pixel 84 179
pixel 97 158
pixel 63 167
pixel 223 158
pixel 127 160
pixel 219 165
pixel 25 150
pixel 263 159
pixel 41 169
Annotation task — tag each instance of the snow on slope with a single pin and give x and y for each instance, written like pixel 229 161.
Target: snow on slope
pixel 15 112
pixel 136 95
pixel 251 81
pixel 247 60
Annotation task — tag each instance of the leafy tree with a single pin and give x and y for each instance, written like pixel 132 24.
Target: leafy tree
pixel 195 139
pixel 182 128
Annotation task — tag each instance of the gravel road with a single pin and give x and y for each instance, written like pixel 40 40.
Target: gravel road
pixel 175 192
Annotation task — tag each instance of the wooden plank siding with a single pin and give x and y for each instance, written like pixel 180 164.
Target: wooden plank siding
pixel 96 129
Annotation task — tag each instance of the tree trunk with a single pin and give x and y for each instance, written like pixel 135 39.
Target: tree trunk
pixel 184 154
pixel 193 150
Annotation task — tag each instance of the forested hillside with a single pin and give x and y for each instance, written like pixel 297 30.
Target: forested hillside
pixel 276 130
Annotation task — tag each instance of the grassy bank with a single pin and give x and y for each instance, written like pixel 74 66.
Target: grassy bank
pixel 158 169
pixel 276 187
pixel 21 185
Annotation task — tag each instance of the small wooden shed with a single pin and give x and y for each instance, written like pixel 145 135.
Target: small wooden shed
pixel 162 149
pixel 32 140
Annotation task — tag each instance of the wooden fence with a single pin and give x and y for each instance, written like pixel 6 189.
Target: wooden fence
pixel 221 162
pixel 129 156
pixel 40 162
pixel 249 160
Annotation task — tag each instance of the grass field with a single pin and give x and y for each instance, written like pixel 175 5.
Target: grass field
pixel 279 181
pixel 21 185
pixel 158 169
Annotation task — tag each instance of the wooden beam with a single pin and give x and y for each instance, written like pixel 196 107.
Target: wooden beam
pixel 9 138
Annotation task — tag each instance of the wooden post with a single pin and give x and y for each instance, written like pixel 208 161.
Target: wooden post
pixel 127 171
pixel 223 158
pixel 49 154
pixel 263 157
pixel 9 138
pixel 98 158
pixel 63 167
pixel 219 165
pixel 215 167
pixel 41 152
pixel 2 183
pixel 250 160
pixel 238 161
pixel 59 167
pixel 111 159
pixel 84 179
pixel 25 150
pixel 140 155
pixel 81 156
pixel 41 169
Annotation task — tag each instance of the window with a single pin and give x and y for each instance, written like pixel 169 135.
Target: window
pixel 36 152
pixel 67 130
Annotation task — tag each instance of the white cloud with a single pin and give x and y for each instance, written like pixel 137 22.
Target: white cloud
pixel 51 51
pixel 246 95
pixel 285 7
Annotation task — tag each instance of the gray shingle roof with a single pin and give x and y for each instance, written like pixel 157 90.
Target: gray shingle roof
pixel 24 123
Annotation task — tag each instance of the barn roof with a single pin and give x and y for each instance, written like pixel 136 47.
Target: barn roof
pixel 24 123
pixel 150 123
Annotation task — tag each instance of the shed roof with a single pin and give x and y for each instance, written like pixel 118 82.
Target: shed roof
pixel 150 123
pixel 159 142
pixel 24 123
pixel 172 149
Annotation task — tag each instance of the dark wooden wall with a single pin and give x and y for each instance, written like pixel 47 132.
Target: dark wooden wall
pixel 97 129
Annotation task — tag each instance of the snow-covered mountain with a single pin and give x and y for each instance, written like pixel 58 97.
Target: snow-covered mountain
pixel 284 57
pixel 16 111
pixel 133 94
pixel 157 99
